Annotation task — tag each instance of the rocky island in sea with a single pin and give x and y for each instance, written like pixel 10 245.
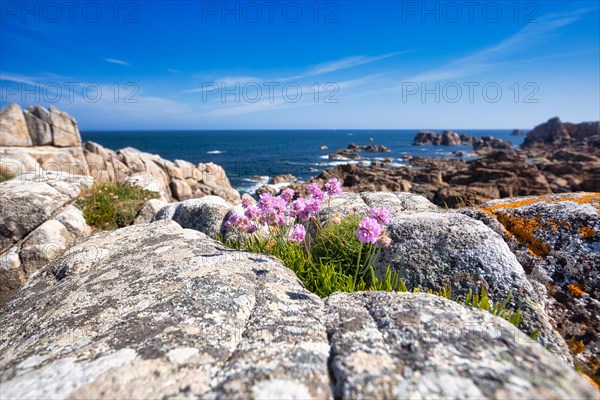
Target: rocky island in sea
pixel 160 308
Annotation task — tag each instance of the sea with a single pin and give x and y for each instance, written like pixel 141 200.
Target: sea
pixel 247 154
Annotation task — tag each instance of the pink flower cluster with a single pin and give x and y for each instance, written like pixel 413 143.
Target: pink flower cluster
pixel 370 229
pixel 282 210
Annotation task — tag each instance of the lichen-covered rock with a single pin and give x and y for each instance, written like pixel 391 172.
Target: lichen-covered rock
pixel 148 211
pixel 408 345
pixel 399 202
pixel 13 127
pixel 557 240
pixel 345 204
pixel 452 251
pixel 205 214
pixel 154 310
pixel 36 224
pixel 157 311
pixel 28 200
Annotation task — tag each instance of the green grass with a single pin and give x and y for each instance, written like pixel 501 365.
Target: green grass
pixel 4 178
pixel 108 206
pixel 327 263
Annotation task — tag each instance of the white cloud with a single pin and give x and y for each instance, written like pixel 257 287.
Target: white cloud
pixel 115 61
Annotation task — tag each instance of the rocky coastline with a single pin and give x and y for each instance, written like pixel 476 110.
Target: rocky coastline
pixel 555 157
pixel 163 309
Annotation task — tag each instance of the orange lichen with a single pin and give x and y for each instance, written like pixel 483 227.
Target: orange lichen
pixel 576 290
pixel 587 232
pixel 588 198
pixel 576 346
pixel 515 204
pixel 523 230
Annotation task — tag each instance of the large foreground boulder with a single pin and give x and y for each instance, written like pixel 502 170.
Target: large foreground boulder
pixel 557 240
pixel 157 311
pixel 408 345
pixel 435 251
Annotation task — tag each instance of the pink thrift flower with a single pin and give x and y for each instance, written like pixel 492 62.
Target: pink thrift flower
pixel 252 212
pixel 240 223
pixel 368 230
pixel 88 195
pixel 313 206
pixel 334 187
pixel 246 202
pixel 317 193
pixel 382 215
pixel 287 195
pixel 115 197
pixel 298 234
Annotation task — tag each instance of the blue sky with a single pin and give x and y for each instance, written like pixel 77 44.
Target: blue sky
pixel 303 64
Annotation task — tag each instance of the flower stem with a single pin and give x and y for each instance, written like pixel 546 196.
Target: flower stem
pixel 357 266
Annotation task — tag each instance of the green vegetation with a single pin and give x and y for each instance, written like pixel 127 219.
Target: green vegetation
pixel 327 263
pixel 3 177
pixel 110 206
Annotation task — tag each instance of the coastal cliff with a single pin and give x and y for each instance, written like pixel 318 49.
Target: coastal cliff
pixel 37 140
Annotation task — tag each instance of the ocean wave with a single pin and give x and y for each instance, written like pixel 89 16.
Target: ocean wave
pixel 215 152
pixel 254 185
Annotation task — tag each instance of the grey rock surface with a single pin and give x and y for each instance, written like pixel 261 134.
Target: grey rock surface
pixel 148 211
pixel 205 214
pixel 28 200
pixel 410 345
pixel 37 224
pixel 399 202
pixel 452 251
pixel 157 311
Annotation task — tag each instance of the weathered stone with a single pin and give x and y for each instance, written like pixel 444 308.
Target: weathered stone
pixel 146 181
pixel 409 345
pixel 398 203
pixel 148 211
pixel 557 240
pixel 452 251
pixel 72 218
pixel 205 214
pixel 12 275
pixel 64 129
pixel 46 243
pixel 345 204
pixel 277 179
pixel 15 161
pixel 37 119
pixel 159 311
pixel 180 189
pixel 67 160
pixel 13 127
pixel 23 207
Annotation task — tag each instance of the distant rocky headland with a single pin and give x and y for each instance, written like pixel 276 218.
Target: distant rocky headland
pixel 555 157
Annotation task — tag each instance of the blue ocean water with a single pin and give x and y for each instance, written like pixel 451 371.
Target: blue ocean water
pixel 248 153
